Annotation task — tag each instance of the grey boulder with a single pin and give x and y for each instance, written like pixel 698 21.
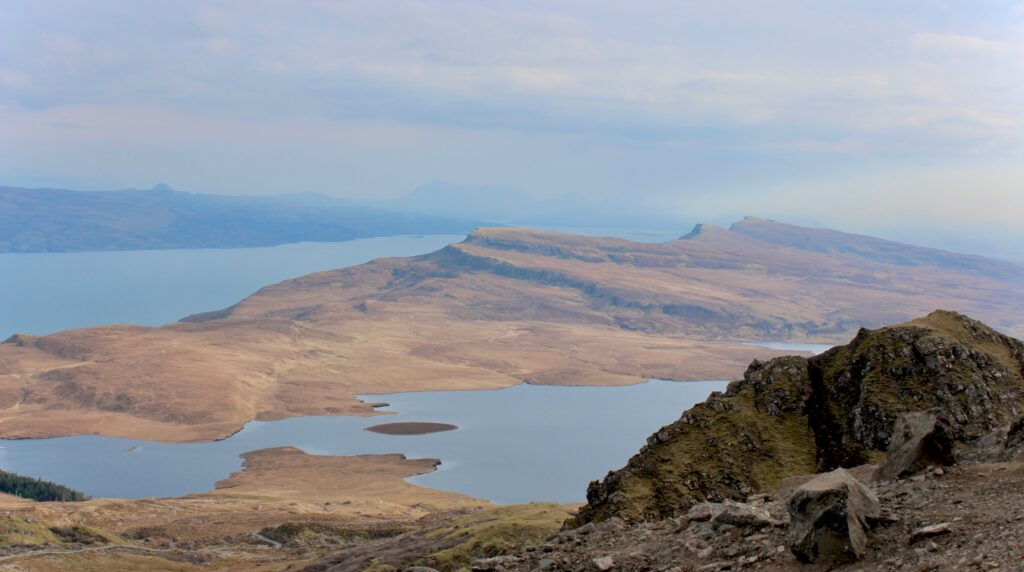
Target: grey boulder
pixel 919 439
pixel 830 518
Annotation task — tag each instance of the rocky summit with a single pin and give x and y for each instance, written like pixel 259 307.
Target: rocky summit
pixel 803 415
pixel 903 450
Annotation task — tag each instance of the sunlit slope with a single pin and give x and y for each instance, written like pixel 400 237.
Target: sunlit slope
pixel 503 307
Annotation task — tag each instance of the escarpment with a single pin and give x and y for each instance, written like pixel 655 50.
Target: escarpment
pixel 795 415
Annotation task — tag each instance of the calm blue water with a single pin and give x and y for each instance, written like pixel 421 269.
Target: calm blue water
pixel 45 293
pixel 525 443
pixel 520 444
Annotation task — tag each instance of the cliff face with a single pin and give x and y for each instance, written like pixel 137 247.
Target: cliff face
pixel 796 415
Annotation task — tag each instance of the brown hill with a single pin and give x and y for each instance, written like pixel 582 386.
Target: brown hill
pixel 505 306
pixel 795 415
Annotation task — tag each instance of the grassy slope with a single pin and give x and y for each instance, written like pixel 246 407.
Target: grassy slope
pixel 835 410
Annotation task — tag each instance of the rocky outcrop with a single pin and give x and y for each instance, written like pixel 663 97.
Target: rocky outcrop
pixel 794 415
pixel 920 439
pixel 830 519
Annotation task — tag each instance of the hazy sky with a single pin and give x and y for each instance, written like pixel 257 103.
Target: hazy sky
pixel 886 117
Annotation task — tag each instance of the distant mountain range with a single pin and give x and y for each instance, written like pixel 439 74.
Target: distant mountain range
pixel 57 220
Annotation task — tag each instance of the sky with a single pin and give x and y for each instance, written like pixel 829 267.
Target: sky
pixel 900 119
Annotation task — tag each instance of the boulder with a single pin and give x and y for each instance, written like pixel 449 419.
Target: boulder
pixel 731 513
pixel 830 517
pixel 919 439
pixel 739 514
pixel 495 564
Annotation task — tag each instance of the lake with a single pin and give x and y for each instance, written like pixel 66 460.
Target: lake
pixel 520 444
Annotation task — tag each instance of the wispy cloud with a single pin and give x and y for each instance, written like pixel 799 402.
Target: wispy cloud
pixel 959 43
pixel 661 98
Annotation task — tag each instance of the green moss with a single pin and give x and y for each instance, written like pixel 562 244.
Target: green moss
pixel 728 454
pixel 793 415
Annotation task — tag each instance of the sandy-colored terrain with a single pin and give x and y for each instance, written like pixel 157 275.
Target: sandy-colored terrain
pixel 277 486
pixel 506 306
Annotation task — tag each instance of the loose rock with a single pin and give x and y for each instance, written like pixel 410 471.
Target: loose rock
pixel 831 515
pixel 930 531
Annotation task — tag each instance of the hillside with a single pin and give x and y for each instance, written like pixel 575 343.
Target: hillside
pixel 936 402
pixel 796 415
pixel 503 307
pixel 55 220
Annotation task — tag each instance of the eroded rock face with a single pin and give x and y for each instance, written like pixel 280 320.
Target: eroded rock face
pixel 1015 435
pixel 830 519
pixel 798 415
pixel 919 439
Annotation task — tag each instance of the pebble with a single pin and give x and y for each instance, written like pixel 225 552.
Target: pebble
pixel 930 531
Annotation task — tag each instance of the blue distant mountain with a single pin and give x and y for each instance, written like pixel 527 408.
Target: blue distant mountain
pixel 57 220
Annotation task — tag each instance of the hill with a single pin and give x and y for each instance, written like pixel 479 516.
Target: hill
pixel 797 415
pixel 937 401
pixel 55 220
pixel 505 306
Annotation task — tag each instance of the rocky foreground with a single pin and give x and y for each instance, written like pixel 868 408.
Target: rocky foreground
pixel 903 450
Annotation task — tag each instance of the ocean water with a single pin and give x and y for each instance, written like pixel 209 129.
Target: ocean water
pixel 48 292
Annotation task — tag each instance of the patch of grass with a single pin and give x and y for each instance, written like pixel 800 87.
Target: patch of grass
pixel 731 453
pixel 83 534
pixel 495 531
pixel 311 532
pixel 20 531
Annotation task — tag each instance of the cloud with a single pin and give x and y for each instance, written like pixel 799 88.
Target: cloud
pixel 658 98
pixel 958 43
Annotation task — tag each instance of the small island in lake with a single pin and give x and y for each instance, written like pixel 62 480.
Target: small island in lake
pixel 411 428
